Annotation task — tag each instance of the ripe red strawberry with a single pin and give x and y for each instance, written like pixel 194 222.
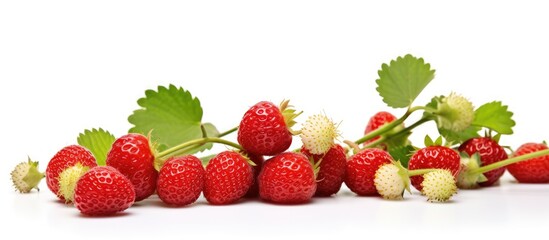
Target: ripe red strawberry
pixel 331 170
pixel 258 161
pixel 434 157
pixel 361 170
pixel 535 170
pixel 287 178
pixel 103 191
pixel 379 119
pixel 66 158
pixel 180 180
pixel 264 129
pixel 132 156
pixel 228 178
pixel 490 152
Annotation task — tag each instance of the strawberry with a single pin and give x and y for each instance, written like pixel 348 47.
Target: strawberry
pixel 264 129
pixel 25 176
pixel 380 119
pixel 180 180
pixel 66 158
pixel 258 161
pixel 361 170
pixel 490 152
pixel 434 157
pixel 132 156
pixel 439 185
pixel 103 191
pixel 287 178
pixel 535 170
pixel 331 169
pixel 228 178
pixel 391 180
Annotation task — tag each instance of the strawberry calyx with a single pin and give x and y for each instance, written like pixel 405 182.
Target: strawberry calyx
pixel 25 176
pixel 468 179
pixel 289 114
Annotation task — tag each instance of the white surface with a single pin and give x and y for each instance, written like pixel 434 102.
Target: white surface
pixel 66 66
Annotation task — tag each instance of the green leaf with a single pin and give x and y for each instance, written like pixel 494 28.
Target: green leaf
pixel 98 141
pixel 403 79
pixel 402 154
pixel 172 116
pixel 460 137
pixel 495 116
pixel 210 129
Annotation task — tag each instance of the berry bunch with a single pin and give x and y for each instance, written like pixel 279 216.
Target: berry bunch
pixel 104 175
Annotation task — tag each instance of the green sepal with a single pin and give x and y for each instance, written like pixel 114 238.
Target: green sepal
pixel 466 178
pixel 403 173
pixel 34 176
pixel 289 114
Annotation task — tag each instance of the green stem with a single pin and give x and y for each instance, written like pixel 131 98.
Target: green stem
pixel 509 161
pixel 418 172
pixel 397 134
pixel 223 134
pixel 387 127
pixel 194 142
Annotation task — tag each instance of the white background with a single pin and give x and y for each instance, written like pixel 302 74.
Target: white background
pixel 66 66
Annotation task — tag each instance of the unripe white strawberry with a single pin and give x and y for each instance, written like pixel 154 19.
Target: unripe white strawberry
pixel 454 113
pixel 318 134
pixel 391 181
pixel 68 179
pixel 439 185
pixel 26 176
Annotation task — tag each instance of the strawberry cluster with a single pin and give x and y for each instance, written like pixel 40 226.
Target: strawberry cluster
pixel 105 181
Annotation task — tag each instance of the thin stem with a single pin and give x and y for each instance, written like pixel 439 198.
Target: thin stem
pixel 353 146
pixel 223 134
pixel 388 127
pixel 509 161
pixel 418 172
pixel 194 142
pixel 397 134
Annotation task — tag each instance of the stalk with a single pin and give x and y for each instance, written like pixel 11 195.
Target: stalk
pixel 509 161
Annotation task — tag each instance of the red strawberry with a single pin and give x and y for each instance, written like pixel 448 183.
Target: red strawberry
pixel 434 157
pixel 103 191
pixel 131 155
pixel 361 170
pixel 65 158
pixel 180 180
pixel 264 129
pixel 228 178
pixel 379 119
pixel 287 178
pixel 490 152
pixel 331 170
pixel 535 170
pixel 254 189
